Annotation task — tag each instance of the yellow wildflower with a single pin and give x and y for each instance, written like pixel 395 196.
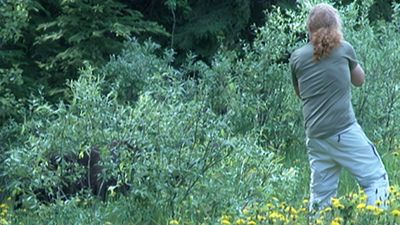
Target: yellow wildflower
pixel 319 222
pixel 378 211
pixel 338 219
pixel 396 212
pixel 251 222
pixel 291 210
pixel 326 210
pixel 335 201
pixel 361 206
pixel 240 222
pixel 370 207
pixel 174 222
pixel 225 217
pixel 378 203
pixel 339 206
pixel 278 216
pixel 261 218
pixel 363 197
pixel 225 222
pixel 273 215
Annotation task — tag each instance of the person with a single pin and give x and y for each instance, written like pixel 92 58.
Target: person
pixel 323 71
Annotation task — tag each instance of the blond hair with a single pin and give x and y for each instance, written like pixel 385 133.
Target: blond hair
pixel 325 27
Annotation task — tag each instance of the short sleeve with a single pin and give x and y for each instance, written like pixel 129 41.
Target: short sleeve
pixel 293 69
pixel 351 56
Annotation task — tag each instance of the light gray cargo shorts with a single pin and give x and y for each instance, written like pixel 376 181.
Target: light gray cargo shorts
pixel 352 150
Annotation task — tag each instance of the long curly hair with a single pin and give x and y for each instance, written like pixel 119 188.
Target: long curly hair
pixel 325 29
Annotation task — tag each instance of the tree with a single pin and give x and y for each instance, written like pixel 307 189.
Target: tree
pixel 14 16
pixel 198 26
pixel 44 43
pixel 79 31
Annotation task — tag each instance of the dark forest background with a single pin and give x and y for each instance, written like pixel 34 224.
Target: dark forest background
pixel 43 43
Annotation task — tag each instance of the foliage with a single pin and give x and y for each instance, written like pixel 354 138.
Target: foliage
pixel 206 26
pixel 44 43
pixel 189 143
pixel 377 48
pixel 138 69
pixel 167 149
pixel 15 18
pixel 381 10
pixel 104 26
pixel 350 209
pixel 201 26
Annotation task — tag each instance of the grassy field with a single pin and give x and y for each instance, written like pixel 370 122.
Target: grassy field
pixel 348 208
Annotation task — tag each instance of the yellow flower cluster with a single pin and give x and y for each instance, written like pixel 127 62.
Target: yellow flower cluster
pixel 396 213
pixel 336 204
pixel 337 221
pixel 3 214
pixel 352 207
pixel 174 222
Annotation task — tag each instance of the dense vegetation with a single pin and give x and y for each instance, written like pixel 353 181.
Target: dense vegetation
pixel 153 112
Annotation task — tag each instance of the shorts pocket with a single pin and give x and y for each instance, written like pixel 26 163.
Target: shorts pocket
pixel 353 139
pixel 374 149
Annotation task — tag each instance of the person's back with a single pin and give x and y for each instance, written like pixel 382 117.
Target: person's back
pixel 325 89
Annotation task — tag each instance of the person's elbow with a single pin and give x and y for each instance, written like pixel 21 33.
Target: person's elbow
pixel 357 76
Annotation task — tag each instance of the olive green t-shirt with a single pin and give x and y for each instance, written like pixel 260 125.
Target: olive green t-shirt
pixel 325 89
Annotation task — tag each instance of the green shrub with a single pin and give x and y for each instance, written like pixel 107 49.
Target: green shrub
pixel 172 155
pixel 137 69
pixel 377 103
pixel 14 17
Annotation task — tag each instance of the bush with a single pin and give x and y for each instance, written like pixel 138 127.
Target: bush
pixel 172 154
pixel 377 103
pixel 138 68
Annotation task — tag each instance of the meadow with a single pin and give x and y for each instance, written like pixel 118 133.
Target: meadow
pixel 140 140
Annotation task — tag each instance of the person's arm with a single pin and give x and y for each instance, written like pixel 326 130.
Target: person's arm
pixel 296 85
pixel 357 76
pixel 294 77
